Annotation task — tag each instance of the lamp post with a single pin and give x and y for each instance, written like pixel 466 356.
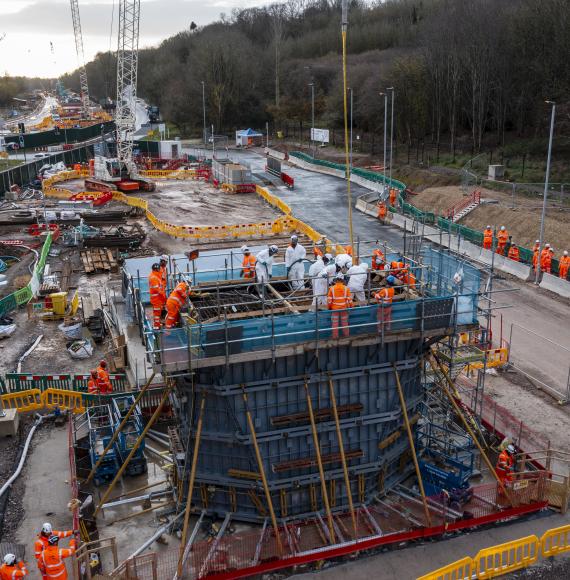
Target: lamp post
pixel 391 133
pixel 312 85
pixel 385 95
pixel 351 109
pixel 204 110
pixel 546 178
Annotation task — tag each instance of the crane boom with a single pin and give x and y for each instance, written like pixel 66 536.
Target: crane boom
pixel 127 66
pixel 80 56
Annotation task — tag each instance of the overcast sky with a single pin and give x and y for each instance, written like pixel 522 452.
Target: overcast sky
pixel 30 25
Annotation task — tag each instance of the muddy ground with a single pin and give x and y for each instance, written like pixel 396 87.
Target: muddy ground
pixel 522 222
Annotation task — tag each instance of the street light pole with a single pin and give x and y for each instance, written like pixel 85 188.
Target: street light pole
pixel 391 133
pixel 312 85
pixel 351 109
pixel 204 109
pixel 385 95
pixel 546 178
pixel 213 144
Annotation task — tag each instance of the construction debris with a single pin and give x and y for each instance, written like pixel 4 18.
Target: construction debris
pixel 96 260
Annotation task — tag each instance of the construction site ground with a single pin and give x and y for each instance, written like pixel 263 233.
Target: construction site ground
pixel 522 221
pixel 320 200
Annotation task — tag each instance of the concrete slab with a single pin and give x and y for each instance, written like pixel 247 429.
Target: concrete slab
pixel 9 423
pixel 517 269
pixel 554 284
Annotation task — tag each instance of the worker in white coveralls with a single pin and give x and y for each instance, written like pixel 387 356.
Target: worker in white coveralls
pixel 294 256
pixel 319 282
pixel 329 272
pixel 343 263
pixel 264 264
pixel 358 277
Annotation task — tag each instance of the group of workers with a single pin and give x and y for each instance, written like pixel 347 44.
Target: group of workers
pixel 49 556
pixel 506 247
pixel 100 381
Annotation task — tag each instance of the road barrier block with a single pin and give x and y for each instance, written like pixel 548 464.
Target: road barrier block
pixel 556 285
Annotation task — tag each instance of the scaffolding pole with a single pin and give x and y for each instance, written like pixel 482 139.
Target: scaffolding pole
pixel 191 485
pixel 262 473
pixel 119 429
pixel 137 444
pixel 468 428
pixel 412 446
pixel 320 464
pixel 342 457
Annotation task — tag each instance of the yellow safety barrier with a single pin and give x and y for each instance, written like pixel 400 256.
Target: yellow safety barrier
pixel 555 541
pixel 460 570
pixel 496 357
pixel 23 401
pixel 507 557
pixel 63 399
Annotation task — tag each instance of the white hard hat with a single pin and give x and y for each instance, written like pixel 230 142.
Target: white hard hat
pixel 9 559
pixel 273 249
pixel 244 249
pixel 348 265
pixel 46 528
pixel 457 278
pixel 547 246
pixel 294 237
pixel 537 242
pixel 164 257
pixel 511 448
pixel 488 227
pixel 565 253
pixel 329 256
pixel 339 276
pixel 502 228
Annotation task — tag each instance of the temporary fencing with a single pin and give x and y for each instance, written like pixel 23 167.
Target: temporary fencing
pixel 17 382
pixel 506 558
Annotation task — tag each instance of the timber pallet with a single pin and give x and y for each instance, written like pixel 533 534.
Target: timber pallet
pixel 98 260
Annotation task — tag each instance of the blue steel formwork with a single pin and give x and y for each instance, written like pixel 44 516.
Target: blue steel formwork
pixel 271 358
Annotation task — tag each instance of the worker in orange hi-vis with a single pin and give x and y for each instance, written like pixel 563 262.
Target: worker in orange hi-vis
pixel 505 467
pixel 103 379
pixel 52 558
pixel 164 271
pixel 378 259
pixel 535 250
pixel 396 268
pixel 175 302
pixel 92 384
pixel 42 542
pixel 384 298
pixel 11 569
pixel 546 259
pixel 339 299
pixel 502 239
pixel 564 266
pixel 393 194
pixel 382 210
pixel 348 250
pixel 488 238
pixel 514 253
pixel 157 290
pixel 248 264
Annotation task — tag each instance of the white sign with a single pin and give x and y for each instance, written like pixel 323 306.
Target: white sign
pixel 321 135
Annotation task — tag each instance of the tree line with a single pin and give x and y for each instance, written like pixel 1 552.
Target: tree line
pixel 476 71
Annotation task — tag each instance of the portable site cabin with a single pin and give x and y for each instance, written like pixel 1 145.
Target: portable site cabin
pixel 248 138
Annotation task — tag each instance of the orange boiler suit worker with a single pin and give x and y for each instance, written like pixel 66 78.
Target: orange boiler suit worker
pixel 174 304
pixel 384 297
pixel 564 266
pixel 393 193
pixel 12 569
pixel 382 211
pixel 92 385
pixel 535 254
pixel 103 379
pixel 42 542
pixel 164 270
pixel 157 289
pixel 506 464
pixel 53 556
pixel 248 264
pixel 339 299
pixel 546 259
pixel 378 259
pixel 348 250
pixel 502 239
pixel 514 253
pixel 488 238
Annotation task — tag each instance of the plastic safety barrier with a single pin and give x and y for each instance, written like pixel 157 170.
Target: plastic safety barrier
pixel 29 400
pixel 507 557
pixel 496 357
pixel 17 382
pixel 555 541
pixel 460 570
pixel 63 400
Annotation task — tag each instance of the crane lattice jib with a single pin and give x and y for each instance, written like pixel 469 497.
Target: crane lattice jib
pixel 80 56
pixel 127 64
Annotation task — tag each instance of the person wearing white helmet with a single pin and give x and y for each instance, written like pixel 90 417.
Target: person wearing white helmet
pixel 343 262
pixel 264 264
pixel 329 271
pixel 294 256
pixel 318 283
pixel 164 271
pixel 358 277
pixel 12 569
pixel 488 238
pixel 506 464
pixel 502 239
pixel 247 264
pixel 546 259
pixel 43 541
pixel 564 266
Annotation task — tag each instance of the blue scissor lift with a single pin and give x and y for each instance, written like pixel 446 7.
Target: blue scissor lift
pixel 99 422
pixel 129 434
